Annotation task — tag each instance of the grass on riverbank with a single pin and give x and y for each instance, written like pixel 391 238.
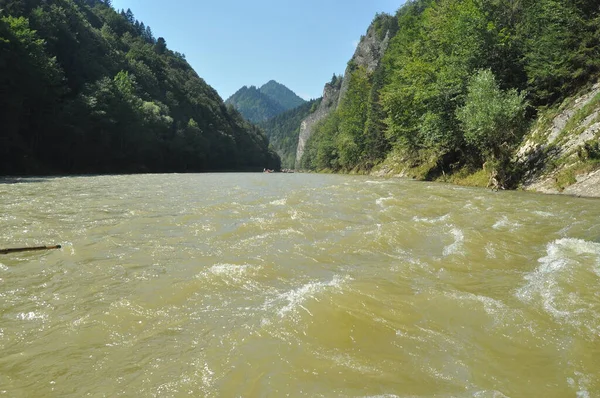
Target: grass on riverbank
pixel 568 176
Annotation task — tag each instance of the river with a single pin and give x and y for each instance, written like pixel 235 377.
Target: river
pixel 272 285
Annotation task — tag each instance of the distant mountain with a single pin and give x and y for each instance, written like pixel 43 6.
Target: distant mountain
pixel 254 105
pixel 282 95
pixel 261 104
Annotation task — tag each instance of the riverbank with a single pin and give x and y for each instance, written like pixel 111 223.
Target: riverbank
pixel 559 155
pixel 585 185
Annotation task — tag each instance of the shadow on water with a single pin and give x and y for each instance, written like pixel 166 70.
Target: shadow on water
pixel 23 180
pixel 34 179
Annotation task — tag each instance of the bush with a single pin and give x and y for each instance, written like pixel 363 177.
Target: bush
pixel 492 119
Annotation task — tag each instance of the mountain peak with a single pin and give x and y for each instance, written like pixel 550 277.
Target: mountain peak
pixel 272 82
pixel 260 104
pixel 281 94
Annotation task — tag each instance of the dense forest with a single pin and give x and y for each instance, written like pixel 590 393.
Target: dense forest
pixel 87 89
pixel 459 84
pixel 283 131
pixel 261 104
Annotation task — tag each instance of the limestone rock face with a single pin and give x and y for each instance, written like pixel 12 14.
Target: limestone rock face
pixel 368 54
pixel 331 95
pixel 558 141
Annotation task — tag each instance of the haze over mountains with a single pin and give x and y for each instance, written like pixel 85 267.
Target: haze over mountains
pixel 261 104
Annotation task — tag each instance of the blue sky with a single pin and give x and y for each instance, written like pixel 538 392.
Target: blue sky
pixel 233 43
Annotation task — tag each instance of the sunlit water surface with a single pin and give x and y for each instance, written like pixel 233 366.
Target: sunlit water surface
pixel 269 285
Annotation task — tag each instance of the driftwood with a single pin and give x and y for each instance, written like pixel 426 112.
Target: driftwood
pixel 28 249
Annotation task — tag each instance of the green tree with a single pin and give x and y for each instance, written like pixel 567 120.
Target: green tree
pixel 161 45
pixel 493 120
pixel 81 90
pixel 353 111
pixel 30 81
pixel 550 32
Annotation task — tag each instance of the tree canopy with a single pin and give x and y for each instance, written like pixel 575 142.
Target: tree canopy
pixel 459 82
pixel 87 89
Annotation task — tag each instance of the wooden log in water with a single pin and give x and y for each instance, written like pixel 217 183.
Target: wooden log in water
pixel 28 249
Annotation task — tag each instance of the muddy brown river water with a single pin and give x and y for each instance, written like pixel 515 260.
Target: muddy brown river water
pixel 272 285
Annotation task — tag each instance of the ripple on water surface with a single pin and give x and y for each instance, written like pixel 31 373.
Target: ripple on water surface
pixel 299 285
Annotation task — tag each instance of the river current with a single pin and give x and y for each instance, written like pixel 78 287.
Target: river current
pixel 273 285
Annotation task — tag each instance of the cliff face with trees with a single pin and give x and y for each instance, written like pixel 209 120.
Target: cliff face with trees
pixel 458 87
pixel 85 89
pixel 342 98
pixel 327 104
pixel 283 131
pixel 337 137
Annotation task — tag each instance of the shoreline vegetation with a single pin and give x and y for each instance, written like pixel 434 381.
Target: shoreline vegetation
pixel 87 89
pixel 491 93
pixel 462 89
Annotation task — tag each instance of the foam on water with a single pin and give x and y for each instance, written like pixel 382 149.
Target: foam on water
pixel 580 382
pixel 382 396
pixel 455 247
pixel 560 284
pixel 433 220
pixel 544 214
pixel 490 250
pixel 376 231
pixel 280 202
pixel 381 201
pixel 294 214
pixel 489 394
pixel 31 316
pixel 379 182
pixel 229 270
pixel 231 274
pixel 491 306
pixel 293 299
pixel 347 361
pixel 131 308
pixel 505 223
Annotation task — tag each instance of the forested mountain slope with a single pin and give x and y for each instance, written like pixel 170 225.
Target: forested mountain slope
pixel 261 104
pixel 85 89
pixel 283 131
pixel 253 105
pixel 282 95
pixel 458 87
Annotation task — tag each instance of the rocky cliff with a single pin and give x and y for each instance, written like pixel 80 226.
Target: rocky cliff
pixel 368 54
pixel 331 95
pixel 562 152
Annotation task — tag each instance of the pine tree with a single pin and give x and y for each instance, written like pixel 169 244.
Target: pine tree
pixel 129 15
